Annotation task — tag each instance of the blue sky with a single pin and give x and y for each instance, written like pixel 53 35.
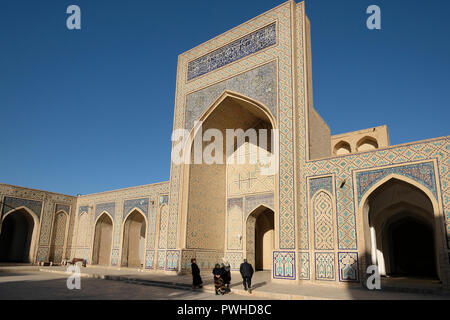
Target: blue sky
pixel 92 110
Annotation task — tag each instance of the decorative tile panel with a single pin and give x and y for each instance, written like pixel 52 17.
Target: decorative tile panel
pixel 149 259
pixel 172 260
pixel 62 207
pixel 234 223
pixel 348 266
pixel 259 84
pixel 284 265
pixel 10 203
pixel 325 266
pixel 316 184
pixel 420 172
pixel 304 266
pixel 323 221
pixel 251 43
pixel 235 259
pixel 252 202
pixel 142 204
pixel 115 257
pixel 109 207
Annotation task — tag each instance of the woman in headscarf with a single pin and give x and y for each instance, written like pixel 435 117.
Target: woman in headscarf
pixel 218 279
pixel 196 278
pixel 226 273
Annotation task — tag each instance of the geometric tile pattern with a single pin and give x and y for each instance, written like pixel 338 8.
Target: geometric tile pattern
pixel 325 183
pixel 161 259
pixel 348 266
pixel 235 259
pixel 281 52
pixel 304 266
pixel 164 221
pixel 262 90
pixel 149 259
pixel 420 172
pixel 325 266
pixel 238 49
pixel 115 257
pixel 284 265
pixel 234 223
pixel 142 204
pixel 172 260
pixel 323 221
pixel 108 207
pixel 10 203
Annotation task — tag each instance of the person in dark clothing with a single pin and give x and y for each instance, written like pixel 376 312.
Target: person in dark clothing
pixel 219 284
pixel 196 278
pixel 246 270
pixel 226 273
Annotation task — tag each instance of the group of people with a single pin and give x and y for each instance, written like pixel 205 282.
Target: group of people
pixel 222 276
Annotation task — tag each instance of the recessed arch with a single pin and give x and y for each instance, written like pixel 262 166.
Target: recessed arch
pixel 59 236
pixel 134 238
pixel 341 148
pixel 230 111
pixel 260 237
pixel 19 235
pixel 102 239
pixel 227 94
pixel 387 208
pixel 366 143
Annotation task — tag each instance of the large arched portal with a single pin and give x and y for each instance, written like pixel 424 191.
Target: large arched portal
pixel 237 169
pixel 133 243
pixel 260 238
pixel 102 240
pixel 401 231
pixel 16 237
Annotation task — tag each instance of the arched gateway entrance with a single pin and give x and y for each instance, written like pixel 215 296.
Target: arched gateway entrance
pixel 17 234
pixel 216 195
pixel 133 241
pixel 260 238
pixel 401 233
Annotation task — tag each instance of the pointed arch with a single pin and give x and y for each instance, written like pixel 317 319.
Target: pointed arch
pixel 374 242
pixel 102 239
pixel 323 221
pixel 342 147
pixel 260 237
pixel 255 115
pixel 371 143
pixel 32 237
pixel 134 239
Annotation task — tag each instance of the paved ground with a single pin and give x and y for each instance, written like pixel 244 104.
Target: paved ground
pixel 50 283
pixel 43 285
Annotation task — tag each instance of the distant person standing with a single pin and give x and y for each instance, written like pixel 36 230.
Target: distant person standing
pixel 196 278
pixel 246 270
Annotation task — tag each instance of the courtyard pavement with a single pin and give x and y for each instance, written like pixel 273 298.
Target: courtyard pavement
pixel 37 285
pixel 262 286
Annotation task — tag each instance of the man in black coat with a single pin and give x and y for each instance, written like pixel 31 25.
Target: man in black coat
pixel 246 270
pixel 196 278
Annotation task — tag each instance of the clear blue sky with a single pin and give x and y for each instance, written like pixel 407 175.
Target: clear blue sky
pixel 92 110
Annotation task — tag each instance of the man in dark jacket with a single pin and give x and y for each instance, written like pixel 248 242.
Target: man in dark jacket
pixel 196 278
pixel 246 270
